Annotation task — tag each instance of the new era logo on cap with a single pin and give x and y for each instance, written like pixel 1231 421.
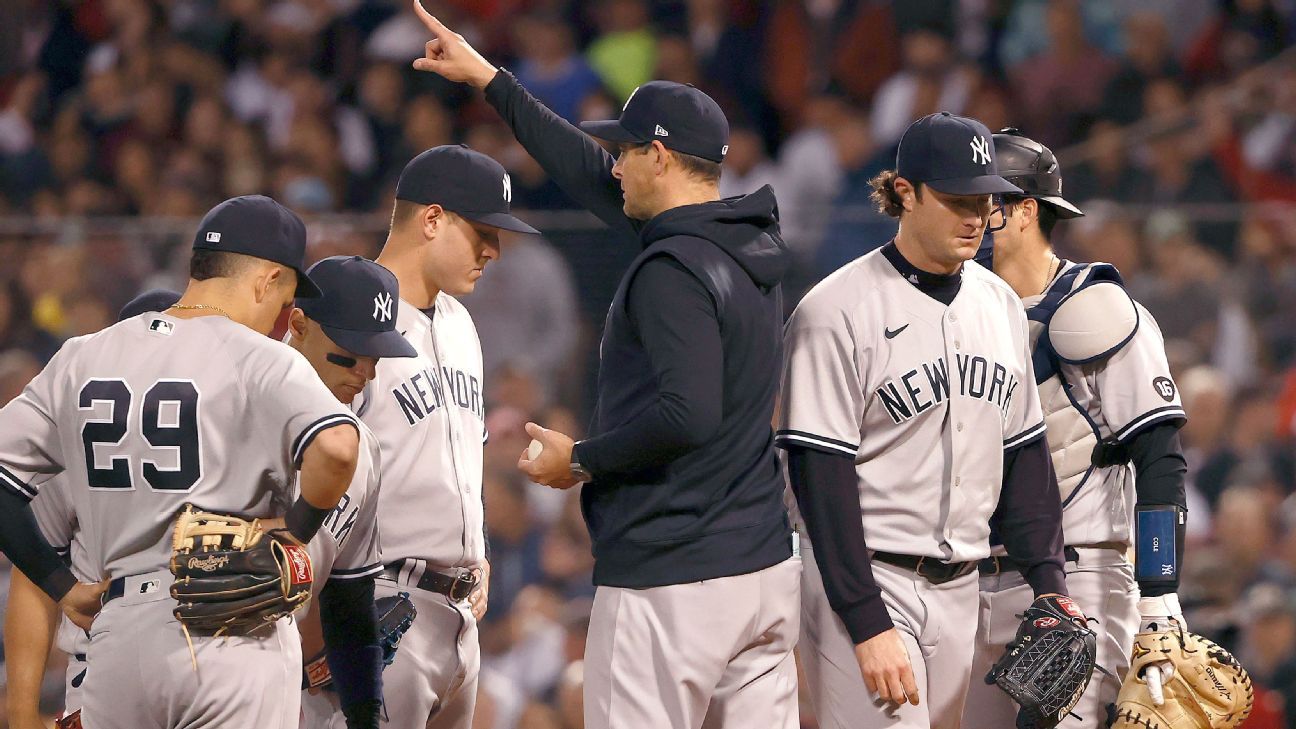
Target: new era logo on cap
pixel 661 132
pixel 213 236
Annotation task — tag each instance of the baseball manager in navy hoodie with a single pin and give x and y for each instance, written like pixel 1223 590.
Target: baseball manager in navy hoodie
pixel 696 609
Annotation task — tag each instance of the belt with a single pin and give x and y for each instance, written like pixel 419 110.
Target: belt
pixel 991 566
pixel 116 589
pixel 929 568
pixel 457 586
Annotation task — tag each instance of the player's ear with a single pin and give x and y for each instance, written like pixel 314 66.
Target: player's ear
pixel 433 221
pixel 1029 208
pixel 660 156
pixel 265 282
pixel 907 193
pixel 297 323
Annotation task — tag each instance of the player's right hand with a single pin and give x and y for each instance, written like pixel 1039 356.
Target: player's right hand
pixel 884 662
pixel 449 55
pixel 81 604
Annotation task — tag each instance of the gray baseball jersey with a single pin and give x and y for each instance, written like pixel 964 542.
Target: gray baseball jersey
pixel 1111 397
pixel 346 546
pixel 428 414
pixel 155 412
pixel 925 397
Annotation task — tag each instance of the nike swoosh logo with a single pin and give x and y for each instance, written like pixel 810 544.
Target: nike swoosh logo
pixel 892 334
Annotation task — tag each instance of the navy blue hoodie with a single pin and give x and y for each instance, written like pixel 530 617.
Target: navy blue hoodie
pixel 686 485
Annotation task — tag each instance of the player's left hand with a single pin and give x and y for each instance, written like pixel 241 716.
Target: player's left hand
pixel 480 597
pixel 81 604
pixel 1159 615
pixel 552 467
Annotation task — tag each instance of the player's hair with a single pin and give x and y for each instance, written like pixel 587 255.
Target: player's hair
pixel 207 264
pixel 704 170
pixel 886 197
pixel 1047 216
pixel 699 168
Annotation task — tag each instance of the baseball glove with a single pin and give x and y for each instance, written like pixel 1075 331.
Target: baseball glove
pixel 233 578
pixel 1206 690
pixel 1048 664
pixel 396 614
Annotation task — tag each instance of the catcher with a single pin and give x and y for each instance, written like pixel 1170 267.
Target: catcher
pixel 1113 415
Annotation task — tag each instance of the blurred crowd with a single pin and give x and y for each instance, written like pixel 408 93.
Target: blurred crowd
pixel 1175 121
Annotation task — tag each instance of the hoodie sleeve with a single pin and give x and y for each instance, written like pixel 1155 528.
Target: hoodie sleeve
pixel 675 318
pixel 580 166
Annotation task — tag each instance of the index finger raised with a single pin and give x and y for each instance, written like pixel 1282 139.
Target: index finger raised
pixel 430 20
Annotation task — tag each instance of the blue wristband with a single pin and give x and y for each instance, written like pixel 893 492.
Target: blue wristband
pixel 1155 533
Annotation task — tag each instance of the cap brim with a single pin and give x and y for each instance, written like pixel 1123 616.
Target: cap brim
pixel 982 185
pixel 503 221
pixel 1063 208
pixel 610 130
pixel 388 343
pixel 306 288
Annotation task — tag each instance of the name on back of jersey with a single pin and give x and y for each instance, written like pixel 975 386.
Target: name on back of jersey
pixel 928 385
pixel 343 517
pixel 420 394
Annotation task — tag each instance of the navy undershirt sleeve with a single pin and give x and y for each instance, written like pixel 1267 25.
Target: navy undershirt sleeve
pixel 827 494
pixel 675 319
pixel 22 542
pixel 575 161
pixel 1159 478
pixel 1029 516
pixel 350 628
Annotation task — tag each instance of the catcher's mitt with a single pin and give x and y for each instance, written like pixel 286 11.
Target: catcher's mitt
pixel 232 577
pixel 1207 689
pixel 396 614
pixel 1048 664
pixel 71 721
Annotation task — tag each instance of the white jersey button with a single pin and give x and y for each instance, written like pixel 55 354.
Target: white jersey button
pixel 959 427
pixel 958 344
pixel 953 316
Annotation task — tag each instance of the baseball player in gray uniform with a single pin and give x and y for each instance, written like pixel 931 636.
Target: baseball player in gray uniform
pixel 343 334
pixel 31 620
pixel 192 405
pixel 910 422
pixel 427 412
pixel 1110 403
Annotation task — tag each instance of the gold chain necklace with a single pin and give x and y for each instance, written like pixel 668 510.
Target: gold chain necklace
pixel 201 307
pixel 1050 272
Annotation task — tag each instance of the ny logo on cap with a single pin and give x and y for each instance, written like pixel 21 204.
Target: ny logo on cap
pixel 382 307
pixel 508 189
pixel 213 237
pixel 980 151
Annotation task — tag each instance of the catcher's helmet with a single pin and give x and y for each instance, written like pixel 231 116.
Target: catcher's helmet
pixel 1031 166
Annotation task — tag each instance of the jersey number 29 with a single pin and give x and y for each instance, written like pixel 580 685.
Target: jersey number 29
pixel 168 419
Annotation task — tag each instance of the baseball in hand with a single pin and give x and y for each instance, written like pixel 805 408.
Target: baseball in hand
pixel 533 450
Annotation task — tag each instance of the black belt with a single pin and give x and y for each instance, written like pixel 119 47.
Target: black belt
pixel 991 566
pixel 929 568
pixel 456 587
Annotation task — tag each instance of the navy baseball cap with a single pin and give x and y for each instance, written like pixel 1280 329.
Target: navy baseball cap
pixel 463 181
pixel 152 300
pixel 257 226
pixel 357 308
pixel 953 154
pixel 680 116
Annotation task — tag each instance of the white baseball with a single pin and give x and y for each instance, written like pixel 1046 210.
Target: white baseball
pixel 533 450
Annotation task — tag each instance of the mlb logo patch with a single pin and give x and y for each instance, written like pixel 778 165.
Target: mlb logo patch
pixel 162 326
pixel 213 237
